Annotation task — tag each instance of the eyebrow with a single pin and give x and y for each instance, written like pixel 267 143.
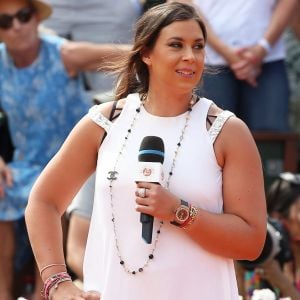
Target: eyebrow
pixel 181 39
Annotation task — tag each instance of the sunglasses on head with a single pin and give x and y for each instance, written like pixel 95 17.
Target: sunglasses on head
pixel 23 16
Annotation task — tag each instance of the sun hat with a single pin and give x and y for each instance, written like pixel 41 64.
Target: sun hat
pixel 43 9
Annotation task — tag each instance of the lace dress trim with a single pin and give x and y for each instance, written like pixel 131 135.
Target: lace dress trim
pixel 95 115
pixel 217 125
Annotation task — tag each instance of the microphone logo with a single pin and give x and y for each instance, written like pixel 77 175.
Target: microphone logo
pixel 147 172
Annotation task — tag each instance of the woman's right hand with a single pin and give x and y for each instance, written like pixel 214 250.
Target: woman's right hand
pixel 5 177
pixel 68 290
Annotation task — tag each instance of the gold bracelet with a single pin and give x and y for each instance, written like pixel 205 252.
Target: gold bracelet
pixel 193 213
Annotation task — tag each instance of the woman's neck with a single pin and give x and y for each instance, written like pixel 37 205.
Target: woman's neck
pixel 167 104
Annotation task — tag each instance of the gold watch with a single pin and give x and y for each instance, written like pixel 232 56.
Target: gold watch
pixel 182 214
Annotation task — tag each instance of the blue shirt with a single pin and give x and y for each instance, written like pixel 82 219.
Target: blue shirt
pixel 42 104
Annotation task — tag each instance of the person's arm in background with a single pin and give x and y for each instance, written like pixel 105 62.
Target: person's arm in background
pixel 295 24
pixel 282 14
pixel 85 56
pixel 271 272
pixel 230 54
pixel 240 278
pixel 281 17
pixel 76 243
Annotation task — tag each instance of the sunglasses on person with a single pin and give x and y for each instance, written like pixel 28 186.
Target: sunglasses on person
pixel 23 16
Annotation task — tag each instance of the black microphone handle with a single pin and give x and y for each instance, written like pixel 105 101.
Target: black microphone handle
pixel 145 218
pixel 147 226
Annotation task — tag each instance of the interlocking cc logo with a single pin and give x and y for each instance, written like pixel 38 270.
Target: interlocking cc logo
pixel 112 175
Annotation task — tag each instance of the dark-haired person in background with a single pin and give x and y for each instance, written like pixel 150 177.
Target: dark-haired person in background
pixel 42 95
pixel 281 271
pixel 210 207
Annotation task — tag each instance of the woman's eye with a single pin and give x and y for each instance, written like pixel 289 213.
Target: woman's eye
pixel 199 46
pixel 175 45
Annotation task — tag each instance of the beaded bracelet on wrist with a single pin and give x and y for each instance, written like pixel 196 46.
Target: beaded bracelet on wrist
pixel 53 282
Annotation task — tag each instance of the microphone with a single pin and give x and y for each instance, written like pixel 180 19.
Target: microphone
pixel 151 157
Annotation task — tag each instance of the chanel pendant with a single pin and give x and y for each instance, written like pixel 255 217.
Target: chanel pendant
pixel 112 175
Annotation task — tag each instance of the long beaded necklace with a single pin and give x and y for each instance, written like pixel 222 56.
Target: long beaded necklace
pixel 112 176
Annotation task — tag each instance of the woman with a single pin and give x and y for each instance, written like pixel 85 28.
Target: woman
pixel 217 174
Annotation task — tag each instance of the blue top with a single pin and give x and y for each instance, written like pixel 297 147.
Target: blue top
pixel 42 104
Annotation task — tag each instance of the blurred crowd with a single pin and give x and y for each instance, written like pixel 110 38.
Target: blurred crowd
pixel 52 61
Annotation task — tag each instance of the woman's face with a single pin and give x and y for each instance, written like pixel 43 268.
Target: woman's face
pixel 293 221
pixel 21 35
pixel 177 58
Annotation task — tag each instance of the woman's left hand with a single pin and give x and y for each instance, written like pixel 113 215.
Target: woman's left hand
pixel 154 200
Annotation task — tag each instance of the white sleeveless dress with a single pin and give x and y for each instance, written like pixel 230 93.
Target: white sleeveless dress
pixel 181 269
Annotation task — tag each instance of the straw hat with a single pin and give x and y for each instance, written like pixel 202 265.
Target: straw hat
pixel 44 10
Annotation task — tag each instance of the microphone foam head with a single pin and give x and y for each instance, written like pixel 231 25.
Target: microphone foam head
pixel 152 149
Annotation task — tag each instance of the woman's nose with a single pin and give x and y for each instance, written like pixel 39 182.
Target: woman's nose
pixel 188 54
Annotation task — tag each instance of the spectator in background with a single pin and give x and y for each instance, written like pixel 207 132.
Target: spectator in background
pixel 41 94
pixel 283 203
pixel 279 265
pixel 246 45
pixel 99 21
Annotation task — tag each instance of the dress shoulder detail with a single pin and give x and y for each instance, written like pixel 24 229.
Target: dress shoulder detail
pixel 96 116
pixel 218 124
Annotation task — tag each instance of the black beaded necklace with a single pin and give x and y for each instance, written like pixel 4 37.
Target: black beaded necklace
pixel 112 177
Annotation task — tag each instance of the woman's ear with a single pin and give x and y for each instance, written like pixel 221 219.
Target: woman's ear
pixel 145 55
